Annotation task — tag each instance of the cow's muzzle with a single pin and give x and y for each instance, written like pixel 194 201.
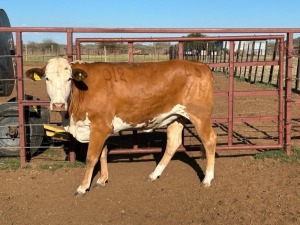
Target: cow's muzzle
pixel 58 107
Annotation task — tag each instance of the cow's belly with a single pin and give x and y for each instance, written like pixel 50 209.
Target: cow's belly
pixel 81 129
pixel 148 126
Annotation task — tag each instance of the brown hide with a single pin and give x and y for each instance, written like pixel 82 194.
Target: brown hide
pixel 138 92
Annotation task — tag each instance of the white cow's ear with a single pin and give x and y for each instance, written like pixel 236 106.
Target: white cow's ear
pixel 35 73
pixel 79 74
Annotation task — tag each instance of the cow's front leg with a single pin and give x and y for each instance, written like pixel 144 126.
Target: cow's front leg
pixel 96 142
pixel 104 170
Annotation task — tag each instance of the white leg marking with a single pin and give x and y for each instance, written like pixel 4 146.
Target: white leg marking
pixel 80 191
pixel 157 172
pixel 101 181
pixel 209 175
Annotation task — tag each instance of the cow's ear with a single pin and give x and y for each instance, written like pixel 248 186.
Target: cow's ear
pixel 35 73
pixel 79 74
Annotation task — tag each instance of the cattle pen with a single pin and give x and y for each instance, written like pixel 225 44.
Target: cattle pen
pixel 284 101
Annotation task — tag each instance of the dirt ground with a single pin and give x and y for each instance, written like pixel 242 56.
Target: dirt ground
pixel 245 190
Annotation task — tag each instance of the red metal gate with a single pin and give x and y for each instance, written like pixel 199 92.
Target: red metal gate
pixel 231 93
pixel 283 115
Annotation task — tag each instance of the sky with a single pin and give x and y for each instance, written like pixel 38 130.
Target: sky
pixel 149 14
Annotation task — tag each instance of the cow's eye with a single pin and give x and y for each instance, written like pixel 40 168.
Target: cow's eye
pixel 47 79
pixel 70 79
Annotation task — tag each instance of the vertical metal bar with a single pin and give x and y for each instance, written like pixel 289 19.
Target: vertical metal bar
pixel 230 93
pixel 70 44
pixel 70 59
pixel 130 52
pixel 180 50
pixel 20 96
pixel 280 92
pixel 78 51
pixel 288 92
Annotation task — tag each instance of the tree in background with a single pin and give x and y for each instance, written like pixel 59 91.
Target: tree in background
pixel 195 44
pixel 48 45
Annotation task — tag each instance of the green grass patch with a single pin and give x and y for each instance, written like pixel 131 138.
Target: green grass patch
pixel 13 163
pixel 76 164
pixel 52 166
pixel 53 152
pixel 10 163
pixel 280 155
pixel 58 165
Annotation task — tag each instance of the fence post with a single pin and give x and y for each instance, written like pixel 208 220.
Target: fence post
pixel 180 50
pixel 70 45
pixel 281 91
pixel 230 94
pixel 288 92
pixel 130 52
pixel 20 96
pixel 78 51
pixel 72 153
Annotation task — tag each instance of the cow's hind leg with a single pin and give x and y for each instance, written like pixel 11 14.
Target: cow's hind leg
pixel 104 170
pixel 174 140
pixel 209 140
pixel 97 140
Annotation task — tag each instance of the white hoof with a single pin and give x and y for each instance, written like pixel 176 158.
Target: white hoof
pixel 206 184
pixel 152 177
pixel 157 172
pixel 101 182
pixel 209 176
pixel 79 192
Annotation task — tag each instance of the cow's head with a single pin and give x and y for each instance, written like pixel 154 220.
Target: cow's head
pixel 58 74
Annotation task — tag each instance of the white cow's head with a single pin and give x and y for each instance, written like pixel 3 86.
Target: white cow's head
pixel 58 74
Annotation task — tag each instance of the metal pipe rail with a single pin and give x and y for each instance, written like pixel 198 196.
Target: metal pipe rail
pixel 231 93
pixel 70 31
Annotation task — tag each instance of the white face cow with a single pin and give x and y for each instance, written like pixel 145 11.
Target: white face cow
pixel 58 75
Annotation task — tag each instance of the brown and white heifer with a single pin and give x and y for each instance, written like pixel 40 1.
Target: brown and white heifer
pixel 105 98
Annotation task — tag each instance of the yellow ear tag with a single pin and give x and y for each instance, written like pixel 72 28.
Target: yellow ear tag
pixel 36 77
